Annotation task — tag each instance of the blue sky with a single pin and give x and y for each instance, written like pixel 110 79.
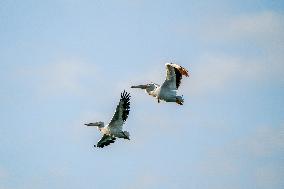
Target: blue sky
pixel 64 63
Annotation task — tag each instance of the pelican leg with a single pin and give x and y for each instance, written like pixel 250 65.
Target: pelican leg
pixel 179 100
pixel 158 100
pixel 124 136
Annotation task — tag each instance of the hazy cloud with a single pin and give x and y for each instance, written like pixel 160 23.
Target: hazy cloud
pixel 217 72
pixel 258 155
pixel 3 174
pixel 263 61
pixel 263 27
pixel 265 141
pixel 61 77
pixel 269 176
pixel 65 76
pixel 147 180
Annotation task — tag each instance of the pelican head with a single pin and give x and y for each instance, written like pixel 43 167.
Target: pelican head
pixel 98 124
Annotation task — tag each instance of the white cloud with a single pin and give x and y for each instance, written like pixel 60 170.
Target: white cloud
pixel 65 76
pixel 147 180
pixel 3 174
pixel 216 72
pixel 4 178
pixel 262 60
pixel 269 176
pixel 266 141
pixel 262 27
pixel 61 77
pixel 258 155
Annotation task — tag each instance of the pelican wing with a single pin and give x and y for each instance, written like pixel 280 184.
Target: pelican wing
pixel 174 76
pixel 122 111
pixel 105 141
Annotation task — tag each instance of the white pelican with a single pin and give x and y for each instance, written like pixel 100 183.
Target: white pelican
pixel 114 128
pixel 168 90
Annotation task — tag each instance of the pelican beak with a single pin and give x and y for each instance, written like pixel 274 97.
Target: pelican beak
pixel 139 86
pixel 91 124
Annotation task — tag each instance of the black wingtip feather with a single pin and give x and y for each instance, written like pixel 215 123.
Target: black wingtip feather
pixel 106 143
pixel 178 77
pixel 125 98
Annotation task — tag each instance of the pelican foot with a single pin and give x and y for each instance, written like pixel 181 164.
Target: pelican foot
pixel 179 102
pixel 126 137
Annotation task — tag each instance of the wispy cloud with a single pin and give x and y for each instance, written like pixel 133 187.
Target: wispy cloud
pixel 259 35
pixel 269 176
pixel 215 72
pixel 60 77
pixel 3 174
pixel 65 76
pixel 147 180
pixel 257 154
pixel 4 178
pixel 264 27
pixel 265 141
pixel 260 26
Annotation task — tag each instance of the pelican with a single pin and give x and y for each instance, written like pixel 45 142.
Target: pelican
pixel 114 129
pixel 168 90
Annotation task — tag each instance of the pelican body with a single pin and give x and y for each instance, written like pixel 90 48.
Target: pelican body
pixel 168 90
pixel 114 129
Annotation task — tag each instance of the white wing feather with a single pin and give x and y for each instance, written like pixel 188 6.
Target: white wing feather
pixel 174 75
pixel 121 112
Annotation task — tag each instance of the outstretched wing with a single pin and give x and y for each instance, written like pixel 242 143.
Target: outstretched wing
pixel 105 141
pixel 174 76
pixel 121 112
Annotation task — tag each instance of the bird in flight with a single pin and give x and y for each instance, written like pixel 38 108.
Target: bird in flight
pixel 114 129
pixel 168 90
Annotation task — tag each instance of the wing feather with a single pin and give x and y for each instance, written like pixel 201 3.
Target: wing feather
pixel 122 110
pixel 105 141
pixel 174 76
